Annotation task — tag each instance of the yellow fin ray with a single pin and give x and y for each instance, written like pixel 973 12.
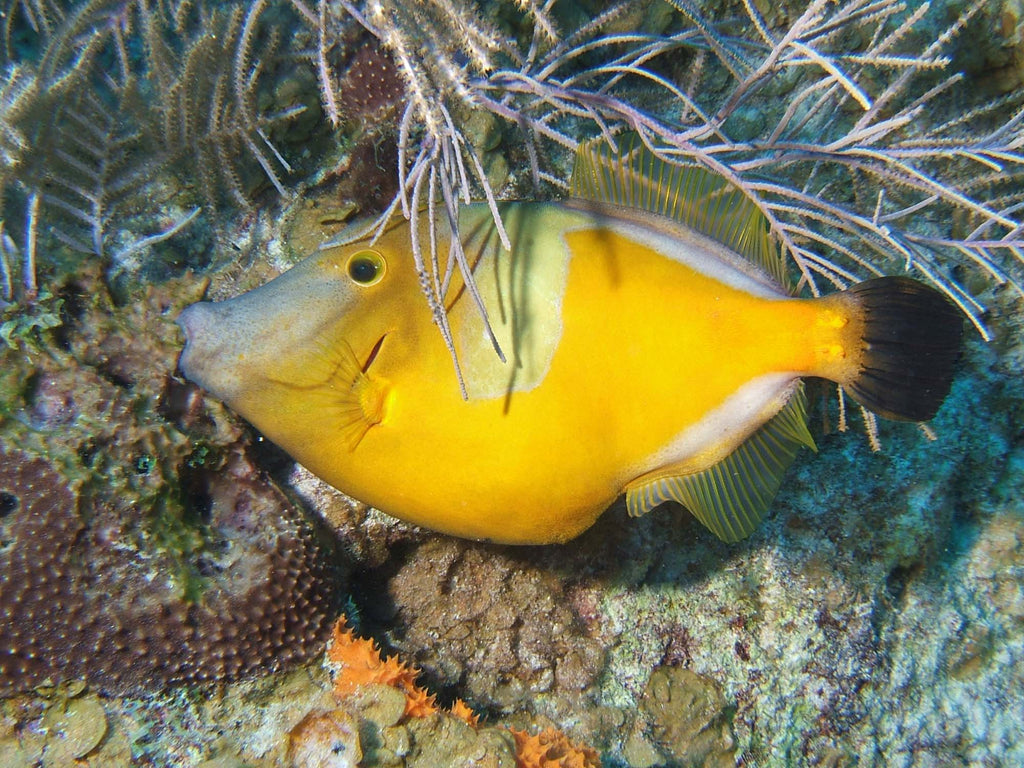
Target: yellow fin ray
pixel 333 378
pixel 693 196
pixel 359 399
pixel 732 497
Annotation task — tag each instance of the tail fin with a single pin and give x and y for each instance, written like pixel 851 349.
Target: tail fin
pixel 912 338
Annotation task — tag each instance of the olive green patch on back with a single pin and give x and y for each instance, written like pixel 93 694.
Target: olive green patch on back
pixel 691 195
pixel 522 291
pixel 732 497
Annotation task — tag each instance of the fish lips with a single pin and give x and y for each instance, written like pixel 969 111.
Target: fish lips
pixel 199 357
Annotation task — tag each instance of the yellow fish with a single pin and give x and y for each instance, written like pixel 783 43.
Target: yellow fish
pixel 651 349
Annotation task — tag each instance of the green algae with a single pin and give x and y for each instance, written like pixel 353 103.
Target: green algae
pixel 67 361
pixel 26 325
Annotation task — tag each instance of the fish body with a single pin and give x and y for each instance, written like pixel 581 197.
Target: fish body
pixel 642 355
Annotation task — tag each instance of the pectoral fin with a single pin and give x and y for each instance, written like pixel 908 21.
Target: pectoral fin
pixel 733 496
pixel 360 399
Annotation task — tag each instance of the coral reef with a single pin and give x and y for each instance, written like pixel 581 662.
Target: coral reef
pixel 878 617
pixel 399 723
pixel 40 527
pixel 133 557
pixel 187 93
pixel 121 629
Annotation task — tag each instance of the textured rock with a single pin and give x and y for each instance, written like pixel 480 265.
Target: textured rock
pixel 325 740
pixel 686 716
pixel 503 630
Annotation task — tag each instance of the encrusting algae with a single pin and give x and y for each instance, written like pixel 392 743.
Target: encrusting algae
pixel 359 670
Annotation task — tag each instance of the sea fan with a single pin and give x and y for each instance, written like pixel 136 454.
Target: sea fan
pixel 827 123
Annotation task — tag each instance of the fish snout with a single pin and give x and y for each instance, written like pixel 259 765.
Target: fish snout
pixel 199 358
pixel 244 346
pixel 192 319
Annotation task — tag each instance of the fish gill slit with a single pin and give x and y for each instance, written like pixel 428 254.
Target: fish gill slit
pixel 373 353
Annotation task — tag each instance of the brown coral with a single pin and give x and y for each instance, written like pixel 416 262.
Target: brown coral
pixel 39 513
pixel 687 718
pixel 372 86
pixel 463 610
pixel 77 602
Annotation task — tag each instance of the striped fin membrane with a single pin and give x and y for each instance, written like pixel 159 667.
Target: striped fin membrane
pixel 733 496
pixel 691 195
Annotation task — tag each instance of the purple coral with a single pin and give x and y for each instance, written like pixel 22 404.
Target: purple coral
pixel 77 601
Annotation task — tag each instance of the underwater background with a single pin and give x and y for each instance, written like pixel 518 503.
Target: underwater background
pixel 170 580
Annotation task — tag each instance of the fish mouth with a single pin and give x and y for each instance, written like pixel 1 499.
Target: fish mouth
pixel 196 322
pixel 213 351
pixel 189 323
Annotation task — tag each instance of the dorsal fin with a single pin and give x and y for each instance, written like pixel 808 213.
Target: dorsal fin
pixel 731 497
pixel 693 196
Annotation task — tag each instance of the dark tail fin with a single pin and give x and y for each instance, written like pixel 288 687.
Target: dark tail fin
pixel 912 337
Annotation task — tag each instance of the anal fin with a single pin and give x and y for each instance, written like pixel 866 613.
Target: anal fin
pixel 732 497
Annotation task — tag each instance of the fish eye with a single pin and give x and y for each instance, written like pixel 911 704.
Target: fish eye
pixel 365 267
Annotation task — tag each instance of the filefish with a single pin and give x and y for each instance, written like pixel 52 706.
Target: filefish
pixel 652 348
